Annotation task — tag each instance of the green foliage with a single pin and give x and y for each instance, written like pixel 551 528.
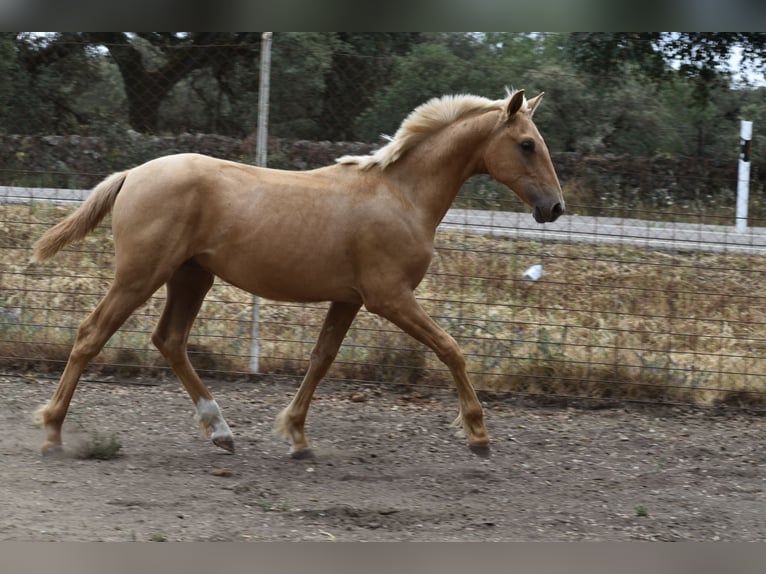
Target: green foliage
pixel 157 537
pixel 299 67
pixel 451 64
pixel 602 55
pixel 7 72
pixel 447 73
pixel 272 505
pixel 361 65
pixel 644 94
pixel 101 447
pixel 700 59
pixel 45 84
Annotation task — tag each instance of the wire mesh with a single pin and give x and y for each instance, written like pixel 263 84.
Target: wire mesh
pixel 629 309
pixel 646 293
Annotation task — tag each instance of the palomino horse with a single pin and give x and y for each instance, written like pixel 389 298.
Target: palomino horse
pixel 359 232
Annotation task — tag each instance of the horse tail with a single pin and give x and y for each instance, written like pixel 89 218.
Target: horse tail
pixel 78 224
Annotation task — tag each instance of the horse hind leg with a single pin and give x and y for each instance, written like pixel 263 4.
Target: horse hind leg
pixel 291 421
pixel 186 290
pixel 120 301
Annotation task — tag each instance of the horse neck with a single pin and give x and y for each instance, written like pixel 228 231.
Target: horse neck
pixel 432 173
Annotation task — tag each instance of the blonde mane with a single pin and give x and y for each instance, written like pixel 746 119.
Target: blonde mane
pixel 424 120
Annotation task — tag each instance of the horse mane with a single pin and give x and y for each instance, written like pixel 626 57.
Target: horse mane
pixel 424 120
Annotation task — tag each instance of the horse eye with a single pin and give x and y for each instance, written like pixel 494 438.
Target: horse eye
pixel 528 145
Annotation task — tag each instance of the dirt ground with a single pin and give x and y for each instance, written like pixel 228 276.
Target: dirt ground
pixel 387 468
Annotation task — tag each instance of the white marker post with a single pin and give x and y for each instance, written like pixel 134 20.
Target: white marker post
pixel 743 179
pixel 260 160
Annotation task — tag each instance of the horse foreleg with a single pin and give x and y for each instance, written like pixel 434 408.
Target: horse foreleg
pixel 407 314
pixel 119 302
pixel 290 422
pixel 186 290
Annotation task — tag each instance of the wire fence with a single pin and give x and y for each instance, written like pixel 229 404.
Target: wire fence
pixel 625 309
pixel 661 303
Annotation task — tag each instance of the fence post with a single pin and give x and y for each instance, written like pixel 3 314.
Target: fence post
pixel 260 160
pixel 743 178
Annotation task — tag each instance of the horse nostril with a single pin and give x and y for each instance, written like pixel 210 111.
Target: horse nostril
pixel 556 211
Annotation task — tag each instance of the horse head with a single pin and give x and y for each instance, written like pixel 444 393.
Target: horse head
pixel 516 155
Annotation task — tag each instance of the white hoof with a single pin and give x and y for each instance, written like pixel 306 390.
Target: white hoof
pixel 212 423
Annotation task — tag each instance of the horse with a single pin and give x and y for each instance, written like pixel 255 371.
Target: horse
pixel 359 232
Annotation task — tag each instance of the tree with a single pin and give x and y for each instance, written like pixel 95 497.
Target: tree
pixel 361 64
pixel 150 64
pixel 46 76
pixel 147 83
pixel 700 57
pixel 450 63
pixel 604 54
pixel 692 66
pixel 7 72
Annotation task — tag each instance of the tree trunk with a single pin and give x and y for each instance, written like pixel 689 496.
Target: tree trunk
pixel 144 89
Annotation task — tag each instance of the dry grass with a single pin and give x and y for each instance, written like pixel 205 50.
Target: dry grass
pixel 604 321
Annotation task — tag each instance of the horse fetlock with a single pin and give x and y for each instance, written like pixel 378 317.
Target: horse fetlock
pixel 291 428
pixel 211 421
pixel 477 435
pixel 281 424
pixel 39 417
pixel 44 417
pixel 472 422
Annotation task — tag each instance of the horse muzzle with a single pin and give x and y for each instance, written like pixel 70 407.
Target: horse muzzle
pixel 549 213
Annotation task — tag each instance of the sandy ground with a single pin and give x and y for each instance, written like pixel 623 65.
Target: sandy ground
pixel 387 468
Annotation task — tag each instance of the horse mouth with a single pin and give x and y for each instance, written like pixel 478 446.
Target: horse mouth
pixel 547 215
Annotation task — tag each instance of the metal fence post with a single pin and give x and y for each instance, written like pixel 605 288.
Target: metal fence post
pixel 260 160
pixel 743 178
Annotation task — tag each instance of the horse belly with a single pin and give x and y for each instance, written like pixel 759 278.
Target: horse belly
pixel 282 277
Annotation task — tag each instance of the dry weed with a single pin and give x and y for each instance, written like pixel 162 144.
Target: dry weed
pixel 607 321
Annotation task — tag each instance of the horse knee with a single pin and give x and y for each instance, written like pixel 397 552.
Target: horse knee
pixel 322 357
pixel 87 344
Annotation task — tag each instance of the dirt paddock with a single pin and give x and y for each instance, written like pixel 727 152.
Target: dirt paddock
pixel 388 468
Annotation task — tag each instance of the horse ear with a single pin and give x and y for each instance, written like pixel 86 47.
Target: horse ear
pixel 532 104
pixel 515 104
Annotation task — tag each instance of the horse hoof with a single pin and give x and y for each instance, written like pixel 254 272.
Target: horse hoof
pixel 302 454
pixel 480 450
pixel 225 442
pixel 51 450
